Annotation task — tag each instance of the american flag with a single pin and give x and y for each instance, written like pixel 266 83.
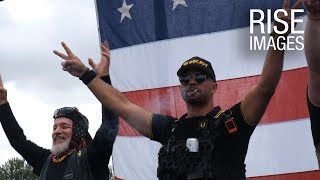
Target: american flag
pixel 149 41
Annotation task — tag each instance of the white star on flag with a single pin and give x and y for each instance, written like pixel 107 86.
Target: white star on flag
pixel 177 2
pixel 125 10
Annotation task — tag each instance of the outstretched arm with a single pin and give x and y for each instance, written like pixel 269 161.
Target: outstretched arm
pixel 312 49
pixel 256 101
pixel 110 97
pixel 100 149
pixel 32 153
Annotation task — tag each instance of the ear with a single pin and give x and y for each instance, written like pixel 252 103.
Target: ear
pixel 214 87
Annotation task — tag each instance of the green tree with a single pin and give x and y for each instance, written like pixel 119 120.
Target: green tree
pixel 16 169
pixel 111 175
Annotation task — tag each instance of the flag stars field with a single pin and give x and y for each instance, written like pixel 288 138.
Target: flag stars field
pixel 177 2
pixel 124 10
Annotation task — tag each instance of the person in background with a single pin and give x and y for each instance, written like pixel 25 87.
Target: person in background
pixel 74 154
pixel 312 52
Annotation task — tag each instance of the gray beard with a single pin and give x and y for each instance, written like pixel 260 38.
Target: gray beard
pixel 60 148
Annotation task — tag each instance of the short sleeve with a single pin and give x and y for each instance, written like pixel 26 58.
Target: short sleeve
pixel 161 126
pixel 243 126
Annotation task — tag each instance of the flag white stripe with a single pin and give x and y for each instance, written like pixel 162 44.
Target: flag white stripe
pixel 154 65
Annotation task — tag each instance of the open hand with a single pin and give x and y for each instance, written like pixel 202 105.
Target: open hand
pixel 313 8
pixel 102 68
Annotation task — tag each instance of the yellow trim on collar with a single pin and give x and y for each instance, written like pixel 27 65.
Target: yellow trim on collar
pixel 219 113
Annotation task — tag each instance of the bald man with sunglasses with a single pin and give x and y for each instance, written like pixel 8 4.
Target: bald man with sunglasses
pixel 74 154
pixel 207 142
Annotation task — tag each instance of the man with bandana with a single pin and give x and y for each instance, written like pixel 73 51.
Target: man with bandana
pixel 74 154
pixel 312 51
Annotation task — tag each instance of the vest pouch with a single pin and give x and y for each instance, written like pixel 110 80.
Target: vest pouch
pixel 171 159
pixel 177 159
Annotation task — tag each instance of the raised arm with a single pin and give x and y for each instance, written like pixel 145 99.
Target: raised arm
pixel 100 149
pixel 312 49
pixel 109 119
pixel 110 97
pixel 256 101
pixel 32 153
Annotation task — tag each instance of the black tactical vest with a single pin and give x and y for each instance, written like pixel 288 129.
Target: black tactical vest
pixel 77 167
pixel 177 159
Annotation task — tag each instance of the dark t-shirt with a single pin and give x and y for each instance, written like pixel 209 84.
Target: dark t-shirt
pixel 231 148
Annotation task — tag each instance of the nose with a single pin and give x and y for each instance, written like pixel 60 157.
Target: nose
pixel 56 131
pixel 192 80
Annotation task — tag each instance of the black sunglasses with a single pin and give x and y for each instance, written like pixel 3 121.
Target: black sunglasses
pixel 65 111
pixel 185 79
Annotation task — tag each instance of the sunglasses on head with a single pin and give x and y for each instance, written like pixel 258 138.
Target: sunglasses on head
pixel 65 111
pixel 199 78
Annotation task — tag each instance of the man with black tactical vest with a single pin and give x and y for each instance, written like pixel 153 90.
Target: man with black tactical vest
pixel 312 51
pixel 207 142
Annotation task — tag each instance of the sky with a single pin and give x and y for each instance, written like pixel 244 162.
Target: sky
pixel 29 32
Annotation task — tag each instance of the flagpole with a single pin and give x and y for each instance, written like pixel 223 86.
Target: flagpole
pixel 97 19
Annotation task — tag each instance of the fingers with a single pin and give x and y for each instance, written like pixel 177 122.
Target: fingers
pixel 105 47
pixel 69 63
pixel 307 2
pixel 60 55
pixel 106 44
pixel 66 68
pixel 67 49
pixel 107 55
pixel 286 4
pixel 92 64
pixel 1 83
pixel 297 4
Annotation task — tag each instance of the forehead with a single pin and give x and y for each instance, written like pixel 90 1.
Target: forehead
pixel 62 120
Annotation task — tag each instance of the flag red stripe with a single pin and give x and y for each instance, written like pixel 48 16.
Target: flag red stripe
pixel 310 175
pixel 288 103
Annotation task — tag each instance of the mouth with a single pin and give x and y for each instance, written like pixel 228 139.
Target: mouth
pixel 193 90
pixel 58 139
